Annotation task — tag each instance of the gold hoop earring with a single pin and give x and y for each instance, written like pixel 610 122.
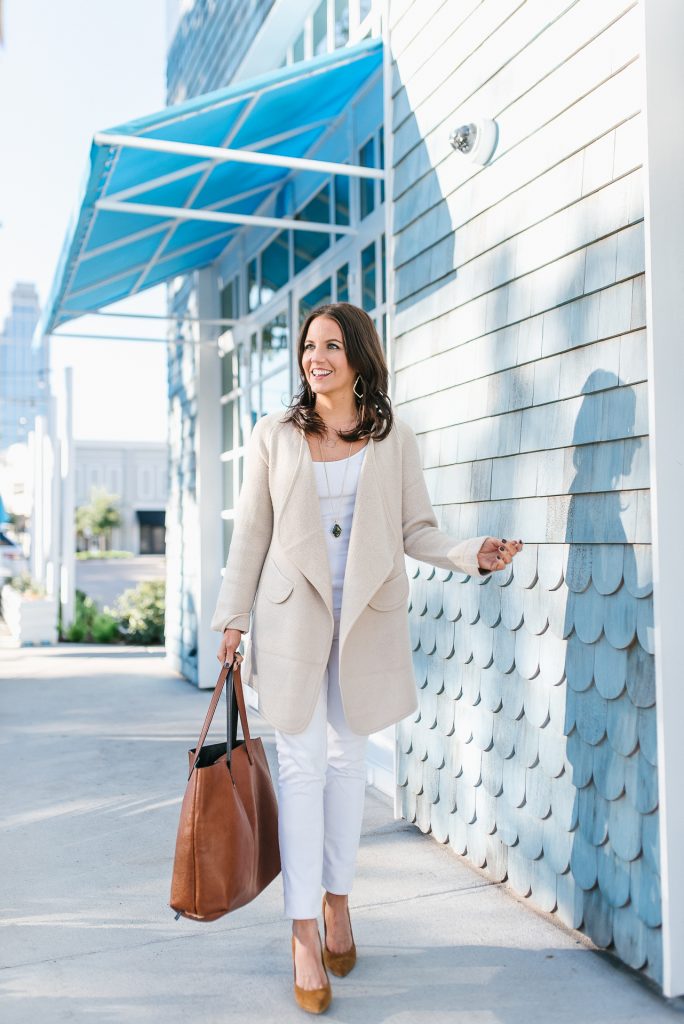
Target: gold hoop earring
pixel 363 394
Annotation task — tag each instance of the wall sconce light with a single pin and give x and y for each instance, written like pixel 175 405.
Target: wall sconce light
pixel 476 140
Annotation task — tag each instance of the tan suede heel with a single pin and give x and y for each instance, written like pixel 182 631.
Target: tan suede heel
pixel 339 963
pixel 315 1000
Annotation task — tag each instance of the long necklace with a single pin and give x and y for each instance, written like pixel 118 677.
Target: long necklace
pixel 335 529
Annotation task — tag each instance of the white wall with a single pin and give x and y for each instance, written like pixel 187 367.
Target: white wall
pixel 520 359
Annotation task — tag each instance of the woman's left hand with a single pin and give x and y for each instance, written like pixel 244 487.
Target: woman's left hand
pixel 497 552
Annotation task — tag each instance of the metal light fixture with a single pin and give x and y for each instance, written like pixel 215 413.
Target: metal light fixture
pixel 476 140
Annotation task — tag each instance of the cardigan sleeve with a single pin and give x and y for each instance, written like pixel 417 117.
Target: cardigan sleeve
pixel 252 533
pixel 423 538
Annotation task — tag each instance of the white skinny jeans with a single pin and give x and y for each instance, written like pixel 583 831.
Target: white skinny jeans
pixel 321 791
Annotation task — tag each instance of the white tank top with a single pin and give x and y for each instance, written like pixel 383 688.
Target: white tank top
pixel 343 504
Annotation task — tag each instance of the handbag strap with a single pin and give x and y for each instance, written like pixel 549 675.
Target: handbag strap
pixel 232 673
pixel 236 702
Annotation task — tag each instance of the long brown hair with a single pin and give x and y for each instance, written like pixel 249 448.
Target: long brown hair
pixel 366 357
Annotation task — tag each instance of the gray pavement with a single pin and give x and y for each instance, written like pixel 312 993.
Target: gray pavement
pixel 94 768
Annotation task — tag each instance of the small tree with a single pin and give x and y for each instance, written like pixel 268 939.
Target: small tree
pixel 100 516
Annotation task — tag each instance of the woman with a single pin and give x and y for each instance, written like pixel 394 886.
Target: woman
pixel 333 494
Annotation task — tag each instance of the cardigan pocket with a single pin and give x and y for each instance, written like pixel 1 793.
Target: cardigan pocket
pixel 393 593
pixel 276 585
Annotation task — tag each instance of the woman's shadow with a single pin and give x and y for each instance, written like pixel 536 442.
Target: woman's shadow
pixel 611 887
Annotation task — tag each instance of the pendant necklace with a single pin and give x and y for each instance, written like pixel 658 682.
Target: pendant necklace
pixel 335 529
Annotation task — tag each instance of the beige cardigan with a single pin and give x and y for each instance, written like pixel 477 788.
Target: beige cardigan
pixel 277 586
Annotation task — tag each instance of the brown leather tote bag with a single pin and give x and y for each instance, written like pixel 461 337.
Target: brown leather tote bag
pixel 227 844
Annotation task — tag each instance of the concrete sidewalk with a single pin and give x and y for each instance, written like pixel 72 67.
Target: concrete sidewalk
pixel 94 768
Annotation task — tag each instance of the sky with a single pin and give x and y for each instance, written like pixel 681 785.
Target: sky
pixel 69 68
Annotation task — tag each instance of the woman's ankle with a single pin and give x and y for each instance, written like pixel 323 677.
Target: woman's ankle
pixel 335 900
pixel 303 928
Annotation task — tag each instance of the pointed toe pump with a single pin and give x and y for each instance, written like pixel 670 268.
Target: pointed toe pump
pixel 339 963
pixel 314 1000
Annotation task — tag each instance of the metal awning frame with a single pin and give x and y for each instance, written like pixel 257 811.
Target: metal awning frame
pixel 209 156
pixel 221 154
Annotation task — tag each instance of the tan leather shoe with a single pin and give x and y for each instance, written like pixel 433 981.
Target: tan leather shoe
pixel 315 1000
pixel 339 963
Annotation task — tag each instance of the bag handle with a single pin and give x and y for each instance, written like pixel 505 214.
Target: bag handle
pixel 232 673
pixel 236 702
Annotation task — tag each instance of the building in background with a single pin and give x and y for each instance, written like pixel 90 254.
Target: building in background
pixel 137 474
pixel 265 282
pixel 23 368
pixel 209 43
pixel 512 299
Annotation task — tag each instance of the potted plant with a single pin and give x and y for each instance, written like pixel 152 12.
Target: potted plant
pixel 30 615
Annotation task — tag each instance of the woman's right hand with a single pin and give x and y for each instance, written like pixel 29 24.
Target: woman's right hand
pixel 227 651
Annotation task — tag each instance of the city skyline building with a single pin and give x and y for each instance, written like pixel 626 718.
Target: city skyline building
pixel 23 367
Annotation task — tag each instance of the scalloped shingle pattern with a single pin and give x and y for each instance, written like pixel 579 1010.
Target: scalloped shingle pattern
pixel 533 751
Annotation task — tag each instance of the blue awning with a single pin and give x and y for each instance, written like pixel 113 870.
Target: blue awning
pixel 166 193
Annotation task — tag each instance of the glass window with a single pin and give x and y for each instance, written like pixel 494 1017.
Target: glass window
pixel 252 287
pixel 275 365
pixel 341 22
pixel 341 212
pixel 366 185
pixel 238 438
pixel 368 277
pixel 275 344
pixel 381 147
pixel 320 28
pixel 383 268
pixel 364 8
pixel 254 357
pixel 343 283
pixel 227 373
pixel 298 48
pixel 276 392
pixel 316 297
pixel 308 245
pixel 229 300
pixel 227 426
pixel 255 403
pixel 274 266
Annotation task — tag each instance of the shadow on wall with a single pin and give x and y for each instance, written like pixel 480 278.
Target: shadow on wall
pixel 533 752
pixel 610 720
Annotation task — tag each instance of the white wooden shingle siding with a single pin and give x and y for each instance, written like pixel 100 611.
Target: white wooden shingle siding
pixel 519 357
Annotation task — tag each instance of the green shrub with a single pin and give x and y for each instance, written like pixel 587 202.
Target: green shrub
pixel 105 629
pixel 75 633
pixel 136 618
pixel 140 613
pixel 90 624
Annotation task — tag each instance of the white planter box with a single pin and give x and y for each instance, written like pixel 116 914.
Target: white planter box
pixel 30 620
